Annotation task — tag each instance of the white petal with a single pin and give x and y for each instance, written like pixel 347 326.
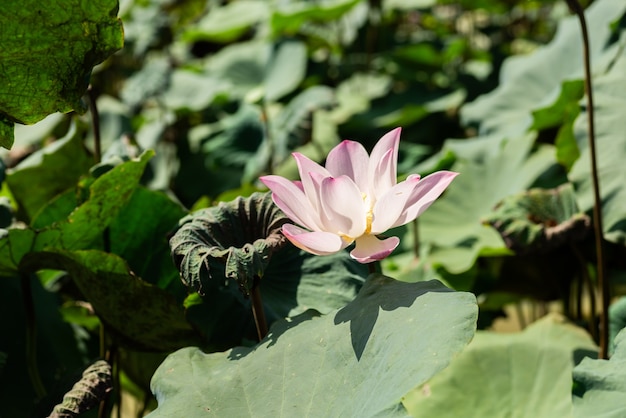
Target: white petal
pixel 292 200
pixel 343 206
pixel 384 159
pixel 391 205
pixel 318 243
pixel 307 167
pixel 425 192
pixel 349 158
pixel 383 176
pixel 369 248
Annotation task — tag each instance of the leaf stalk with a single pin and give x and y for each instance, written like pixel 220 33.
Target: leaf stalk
pixel 603 284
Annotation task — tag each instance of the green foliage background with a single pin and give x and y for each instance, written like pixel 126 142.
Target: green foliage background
pixel 206 96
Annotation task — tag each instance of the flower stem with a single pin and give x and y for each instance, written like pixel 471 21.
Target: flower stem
pixel 603 284
pixel 257 309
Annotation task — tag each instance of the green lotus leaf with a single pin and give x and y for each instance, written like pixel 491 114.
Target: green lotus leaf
pixel 350 362
pixel 33 36
pixel 533 81
pixel 600 385
pixel 504 374
pixel 610 125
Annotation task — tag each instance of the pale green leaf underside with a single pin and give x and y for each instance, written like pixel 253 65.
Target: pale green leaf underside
pixel 527 374
pixel 351 362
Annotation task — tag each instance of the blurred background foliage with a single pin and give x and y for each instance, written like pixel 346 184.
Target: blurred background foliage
pixel 225 91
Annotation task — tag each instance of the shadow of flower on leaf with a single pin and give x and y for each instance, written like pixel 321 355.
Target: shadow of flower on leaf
pixel 380 293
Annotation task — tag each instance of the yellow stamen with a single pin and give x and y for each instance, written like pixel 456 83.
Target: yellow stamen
pixel 368 219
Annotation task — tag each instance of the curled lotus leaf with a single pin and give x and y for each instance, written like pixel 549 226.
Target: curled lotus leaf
pixel 87 393
pixel 540 220
pixel 233 240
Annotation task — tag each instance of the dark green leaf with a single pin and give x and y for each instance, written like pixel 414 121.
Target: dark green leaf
pixel 49 172
pixel 139 314
pixel 34 35
pixel 139 234
pixel 62 350
pixel 108 194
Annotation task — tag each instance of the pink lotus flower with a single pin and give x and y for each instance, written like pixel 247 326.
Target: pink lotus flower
pixel 353 199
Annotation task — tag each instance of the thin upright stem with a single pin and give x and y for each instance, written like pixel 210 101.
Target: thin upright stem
pixel 603 284
pixel 257 309
pixel 31 336
pixel 416 237
pixel 95 122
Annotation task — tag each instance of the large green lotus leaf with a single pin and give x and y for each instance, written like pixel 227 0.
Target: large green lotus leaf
pixel 139 314
pixel 295 282
pixel 192 90
pixel 40 74
pixel 148 81
pixel 257 69
pixel 527 374
pixel 49 172
pixel 600 385
pixel 356 94
pixel 453 225
pixel 228 22
pixel 290 16
pixel 610 125
pixel 291 129
pixel 108 194
pixel 533 81
pixel 286 69
pixel 561 114
pixel 241 68
pixel 357 361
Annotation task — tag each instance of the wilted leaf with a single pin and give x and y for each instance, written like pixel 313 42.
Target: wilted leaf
pixel 540 220
pixel 351 362
pixel 233 240
pixel 87 393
